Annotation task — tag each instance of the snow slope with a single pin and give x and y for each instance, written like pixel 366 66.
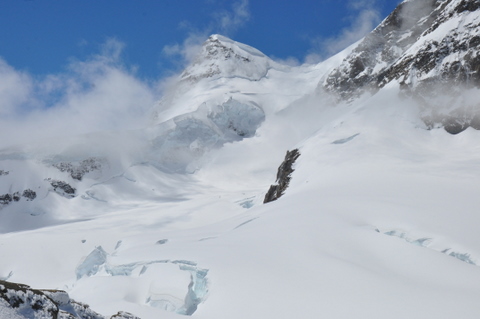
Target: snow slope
pixel 380 218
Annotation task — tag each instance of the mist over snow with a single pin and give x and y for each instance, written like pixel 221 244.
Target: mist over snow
pixel 247 186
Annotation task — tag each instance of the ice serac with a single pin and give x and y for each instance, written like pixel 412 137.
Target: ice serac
pixel 223 57
pixel 427 48
pixel 91 263
pixel 184 139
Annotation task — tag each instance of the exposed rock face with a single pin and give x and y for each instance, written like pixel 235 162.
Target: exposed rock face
pixel 25 302
pixel 430 48
pixel 380 49
pixel 284 173
pixel 78 170
pixel 124 315
pixel 62 188
pixel 28 194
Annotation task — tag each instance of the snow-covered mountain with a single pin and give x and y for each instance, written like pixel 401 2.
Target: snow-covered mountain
pixel 372 214
pixel 428 48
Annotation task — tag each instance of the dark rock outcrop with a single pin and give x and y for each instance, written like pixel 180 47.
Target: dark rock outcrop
pixel 28 194
pixel 78 170
pixel 368 65
pixel 284 173
pixel 48 304
pixel 124 315
pixel 62 188
pixel 24 299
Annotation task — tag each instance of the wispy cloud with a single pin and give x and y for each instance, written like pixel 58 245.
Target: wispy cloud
pixel 186 51
pixel 225 22
pixel 94 95
pixel 231 21
pixel 364 18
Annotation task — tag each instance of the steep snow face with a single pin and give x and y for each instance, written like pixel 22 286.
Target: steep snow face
pixel 223 57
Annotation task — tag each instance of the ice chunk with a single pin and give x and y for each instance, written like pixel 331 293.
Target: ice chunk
pixel 197 289
pixel 463 257
pixel 422 242
pixel 247 204
pixel 92 263
pixel 119 243
pixel 122 270
pixel 345 140
pixel 185 138
pixel 167 291
pixel 162 242
pixel 237 120
pixel 425 241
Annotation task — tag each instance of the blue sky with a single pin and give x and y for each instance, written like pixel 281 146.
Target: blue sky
pixel 44 36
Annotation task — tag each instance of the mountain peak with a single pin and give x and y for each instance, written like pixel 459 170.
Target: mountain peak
pixel 221 57
pixel 418 37
pixel 217 40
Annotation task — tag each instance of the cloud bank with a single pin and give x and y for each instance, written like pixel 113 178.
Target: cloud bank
pixel 99 94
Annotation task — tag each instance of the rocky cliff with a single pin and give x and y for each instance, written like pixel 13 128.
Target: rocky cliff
pixel 430 49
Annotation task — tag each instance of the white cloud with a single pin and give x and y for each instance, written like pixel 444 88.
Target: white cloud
pixel 231 21
pixel 15 90
pixel 223 22
pixel 94 95
pixel 188 49
pixel 364 19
